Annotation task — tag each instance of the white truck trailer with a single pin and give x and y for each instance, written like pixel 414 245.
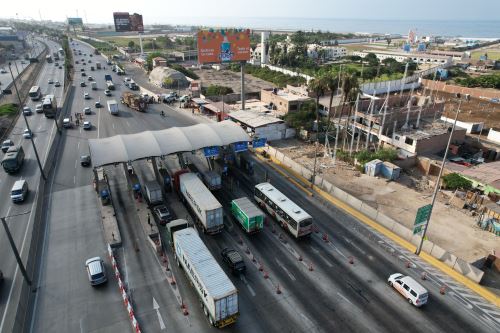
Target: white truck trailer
pixel 217 293
pixel 203 203
pixel 152 192
pixel 113 107
pixel 211 178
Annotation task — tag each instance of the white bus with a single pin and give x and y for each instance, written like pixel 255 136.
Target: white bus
pixel 49 106
pixel 291 217
pixel 35 93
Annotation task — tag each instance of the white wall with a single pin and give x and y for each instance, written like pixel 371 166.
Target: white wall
pixel 494 135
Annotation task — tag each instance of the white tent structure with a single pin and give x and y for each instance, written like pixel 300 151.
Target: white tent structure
pixel 131 147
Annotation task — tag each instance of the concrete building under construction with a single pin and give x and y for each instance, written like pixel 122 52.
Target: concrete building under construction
pixel 409 123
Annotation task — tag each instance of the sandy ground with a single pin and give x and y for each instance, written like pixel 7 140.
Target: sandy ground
pixel 231 79
pixel 450 228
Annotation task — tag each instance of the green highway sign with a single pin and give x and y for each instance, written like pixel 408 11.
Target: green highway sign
pixel 421 219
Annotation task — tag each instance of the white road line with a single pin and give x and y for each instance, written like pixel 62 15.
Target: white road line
pixel 127 123
pixel 345 298
pixel 76 162
pixel 74 179
pixel 250 289
pixel 338 250
pixel 98 124
pixel 125 275
pixel 113 125
pixel 78 145
pixel 290 275
pixel 327 262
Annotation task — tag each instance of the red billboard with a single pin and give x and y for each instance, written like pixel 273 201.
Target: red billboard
pixel 223 46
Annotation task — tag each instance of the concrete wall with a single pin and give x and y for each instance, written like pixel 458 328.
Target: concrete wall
pixel 494 135
pixel 444 256
pixel 453 89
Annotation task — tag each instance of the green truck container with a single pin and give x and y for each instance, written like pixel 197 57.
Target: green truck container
pixel 248 214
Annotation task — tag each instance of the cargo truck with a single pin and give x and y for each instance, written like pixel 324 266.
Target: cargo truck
pixel 134 101
pixel 174 226
pixel 109 82
pixel 202 202
pixel 152 193
pixel 248 215
pixel 210 177
pixel 218 295
pixel 101 185
pixel 98 65
pixel 113 107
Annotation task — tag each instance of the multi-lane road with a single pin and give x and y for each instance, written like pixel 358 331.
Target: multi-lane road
pixel 322 292
pixel 21 221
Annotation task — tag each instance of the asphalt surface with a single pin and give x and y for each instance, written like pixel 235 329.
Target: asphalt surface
pixel 322 292
pixel 20 225
pixel 18 65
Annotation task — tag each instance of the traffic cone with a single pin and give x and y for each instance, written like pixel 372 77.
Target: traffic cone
pixel 351 260
pixel 408 264
pixel 247 251
pixel 278 290
pixel 253 258
pixel 325 238
pixel 184 308
pixel 442 290
pixel 273 230
pixel 172 280
pixel 240 240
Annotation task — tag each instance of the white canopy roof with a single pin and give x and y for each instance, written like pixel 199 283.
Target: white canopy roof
pixel 131 147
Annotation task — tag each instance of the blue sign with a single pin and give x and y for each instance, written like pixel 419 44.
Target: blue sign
pixel 211 151
pixel 406 47
pixel 259 142
pixel 240 146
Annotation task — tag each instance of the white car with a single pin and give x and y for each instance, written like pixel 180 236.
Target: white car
pixel 27 134
pixel 39 108
pixel 86 95
pixel 87 110
pixel 96 271
pixel 107 92
pixel 411 290
pixel 27 111
pixel 66 123
pixel 3 71
pixel 87 125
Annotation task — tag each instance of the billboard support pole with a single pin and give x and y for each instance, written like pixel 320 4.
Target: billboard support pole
pixel 243 85
pixel 140 43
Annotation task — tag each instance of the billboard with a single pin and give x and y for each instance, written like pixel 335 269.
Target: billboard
pixel 126 22
pixel 75 21
pixel 223 45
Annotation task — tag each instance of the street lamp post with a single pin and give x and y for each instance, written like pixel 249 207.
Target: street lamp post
pixel 436 188
pixel 27 124
pixel 16 253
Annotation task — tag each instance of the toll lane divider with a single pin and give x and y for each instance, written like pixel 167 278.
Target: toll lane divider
pixel 126 302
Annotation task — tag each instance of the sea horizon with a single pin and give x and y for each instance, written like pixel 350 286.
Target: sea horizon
pixel 446 28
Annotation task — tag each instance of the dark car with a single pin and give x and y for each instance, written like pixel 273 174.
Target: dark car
pixel 234 260
pixel 82 69
pixel 85 160
pixel 162 214
pixel 82 84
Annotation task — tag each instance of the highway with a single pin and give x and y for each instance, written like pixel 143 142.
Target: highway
pixel 21 225
pixel 322 292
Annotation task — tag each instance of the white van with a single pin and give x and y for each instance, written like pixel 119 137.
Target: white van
pixel 19 191
pixel 409 288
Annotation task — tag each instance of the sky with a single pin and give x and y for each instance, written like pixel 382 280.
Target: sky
pixel 168 11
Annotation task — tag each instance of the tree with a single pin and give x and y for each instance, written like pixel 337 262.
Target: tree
pixel 372 59
pixel 388 40
pixel 216 90
pixel 350 91
pixel 131 44
pixel 454 181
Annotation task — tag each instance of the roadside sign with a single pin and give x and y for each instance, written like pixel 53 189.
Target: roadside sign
pixel 211 151
pixel 421 219
pixel 240 146
pixel 259 142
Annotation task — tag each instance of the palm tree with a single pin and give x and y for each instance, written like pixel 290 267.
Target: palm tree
pixel 350 91
pixel 331 81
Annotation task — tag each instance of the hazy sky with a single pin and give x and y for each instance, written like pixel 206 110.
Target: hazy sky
pixel 159 11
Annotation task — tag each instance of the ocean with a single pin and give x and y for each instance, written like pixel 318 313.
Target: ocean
pixel 468 29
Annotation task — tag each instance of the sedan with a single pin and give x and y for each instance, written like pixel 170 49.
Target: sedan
pixel 27 111
pixel 57 84
pixel 83 74
pixel 90 78
pixel 39 108
pixel 86 95
pixel 85 160
pixel 82 84
pixel 7 144
pixel 107 92
pixel 87 125
pixel 162 214
pixel 87 110
pixel 51 81
pixel 3 71
pixel 27 134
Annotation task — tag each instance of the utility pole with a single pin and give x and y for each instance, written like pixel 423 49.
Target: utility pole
pixel 243 85
pixel 436 188
pixel 16 253
pixel 27 124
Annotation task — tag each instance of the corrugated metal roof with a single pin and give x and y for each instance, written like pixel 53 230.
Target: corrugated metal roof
pixel 248 207
pixel 199 192
pixel 131 147
pixel 254 119
pixel 214 279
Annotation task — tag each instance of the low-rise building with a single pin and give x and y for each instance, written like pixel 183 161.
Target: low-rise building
pixel 159 62
pixel 261 125
pixel 282 100
pixel 419 58
pixel 327 52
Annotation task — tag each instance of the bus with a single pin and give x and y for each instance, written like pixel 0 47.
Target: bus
pixel 49 106
pixel 35 93
pixel 13 159
pixel 290 216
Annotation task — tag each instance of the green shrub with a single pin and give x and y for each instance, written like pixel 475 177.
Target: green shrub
pixel 7 109
pixel 454 181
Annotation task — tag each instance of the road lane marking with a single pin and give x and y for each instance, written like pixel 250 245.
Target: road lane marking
pixel 327 262
pixel 160 319
pixel 344 298
pixel 76 162
pixel 127 123
pixel 250 289
pixel 74 179
pixel 78 145
pixel 290 275
pixel 98 123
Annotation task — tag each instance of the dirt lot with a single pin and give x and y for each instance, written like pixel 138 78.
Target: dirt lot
pixel 231 79
pixel 475 110
pixel 450 228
